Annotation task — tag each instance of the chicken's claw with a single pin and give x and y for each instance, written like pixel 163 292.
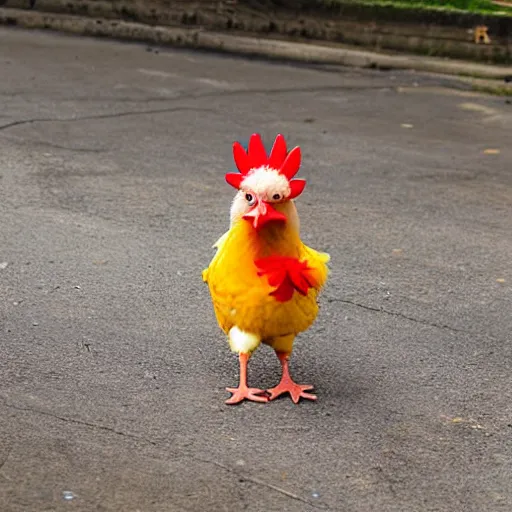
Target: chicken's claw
pixel 245 393
pixel 288 385
pixel 297 391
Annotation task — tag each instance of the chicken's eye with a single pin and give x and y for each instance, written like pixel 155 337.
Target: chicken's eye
pixel 276 197
pixel 250 199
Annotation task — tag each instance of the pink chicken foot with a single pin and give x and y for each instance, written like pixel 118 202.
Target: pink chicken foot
pixel 288 385
pixel 243 392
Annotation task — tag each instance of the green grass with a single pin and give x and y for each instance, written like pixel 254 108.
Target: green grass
pixel 475 6
pixel 496 90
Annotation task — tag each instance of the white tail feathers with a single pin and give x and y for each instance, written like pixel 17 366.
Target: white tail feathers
pixel 243 342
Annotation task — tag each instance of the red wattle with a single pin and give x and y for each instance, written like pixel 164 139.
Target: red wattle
pixel 262 214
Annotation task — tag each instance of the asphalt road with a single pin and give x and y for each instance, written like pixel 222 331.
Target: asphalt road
pixel 112 368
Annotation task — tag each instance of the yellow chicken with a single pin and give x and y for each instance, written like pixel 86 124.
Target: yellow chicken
pixel 263 280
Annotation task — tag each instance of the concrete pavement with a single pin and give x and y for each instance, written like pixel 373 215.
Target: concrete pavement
pixel 112 369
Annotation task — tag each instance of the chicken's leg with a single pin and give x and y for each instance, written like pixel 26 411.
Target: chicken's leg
pixel 242 392
pixel 288 385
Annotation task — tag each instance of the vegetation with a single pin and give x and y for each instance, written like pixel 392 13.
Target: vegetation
pixel 474 6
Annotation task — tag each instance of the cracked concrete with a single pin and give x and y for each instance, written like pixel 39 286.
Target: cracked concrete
pixel 78 422
pixel 395 313
pixel 100 116
pixel 112 369
pixel 261 483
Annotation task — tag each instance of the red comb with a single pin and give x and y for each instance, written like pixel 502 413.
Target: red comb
pixel 285 163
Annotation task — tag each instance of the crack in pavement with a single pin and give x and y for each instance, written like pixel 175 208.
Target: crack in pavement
pixel 216 94
pixel 400 315
pixel 257 481
pixel 78 422
pixel 4 461
pixel 101 116
pixel 242 477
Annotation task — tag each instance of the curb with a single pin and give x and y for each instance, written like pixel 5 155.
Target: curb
pixel 246 45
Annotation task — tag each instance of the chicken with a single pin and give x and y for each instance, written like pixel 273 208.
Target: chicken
pixel 263 280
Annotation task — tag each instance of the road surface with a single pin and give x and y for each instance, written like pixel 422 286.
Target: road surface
pixel 112 368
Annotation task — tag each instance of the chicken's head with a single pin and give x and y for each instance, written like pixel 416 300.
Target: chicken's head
pixel 264 182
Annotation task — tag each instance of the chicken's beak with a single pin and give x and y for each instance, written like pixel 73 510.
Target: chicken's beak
pixel 263 213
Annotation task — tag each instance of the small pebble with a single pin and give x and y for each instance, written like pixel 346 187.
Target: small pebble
pixel 68 495
pixel 315 494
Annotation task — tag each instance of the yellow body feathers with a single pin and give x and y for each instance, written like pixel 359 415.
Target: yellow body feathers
pixel 243 299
